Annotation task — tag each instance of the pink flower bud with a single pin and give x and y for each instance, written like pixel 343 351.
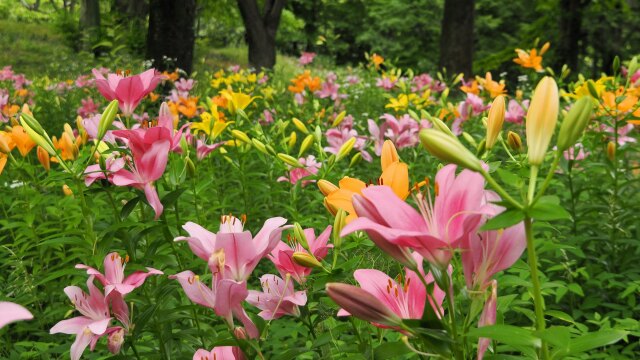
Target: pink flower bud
pixel 362 304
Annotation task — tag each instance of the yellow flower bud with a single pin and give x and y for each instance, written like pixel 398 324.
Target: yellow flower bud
pixel 43 157
pixel 339 119
pixel 541 119
pixel 345 149
pixel 300 125
pixel 66 190
pixel 107 118
pixel 288 159
pixel 306 260
pixel 306 144
pixel 240 135
pixel 260 146
pixel 495 120
pixel 299 235
pixel 449 149
pixel 355 159
pixel 611 151
pixel 292 139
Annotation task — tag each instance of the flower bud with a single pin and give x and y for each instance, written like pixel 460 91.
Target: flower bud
pixel 514 141
pixel 43 157
pixel 116 338
pixel 338 224
pixel 591 86
pixel 541 119
pixel 292 140
pixel 108 115
pixel 495 120
pixel 306 260
pixel 345 149
pixel 440 125
pixel 355 159
pixel 44 142
pixel 240 333
pixel 339 119
pixel 260 146
pixel 611 151
pixel 389 154
pixel 67 190
pixel 306 144
pixel 300 125
pixel 240 135
pixel 190 167
pixel 299 235
pixel 362 304
pixel 288 159
pixel 449 149
pixel 574 123
pixel 326 187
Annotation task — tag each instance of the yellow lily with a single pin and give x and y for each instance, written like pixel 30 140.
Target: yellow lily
pixel 236 100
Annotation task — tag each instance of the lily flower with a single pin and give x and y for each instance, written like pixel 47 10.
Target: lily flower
pixel 225 296
pixel 237 100
pixel 233 247
pixel 277 298
pixel 441 223
pixel 22 140
pixel 150 152
pixel 219 353
pixel 94 321
pixel 488 317
pixel 10 312
pixel 405 298
pixel 128 90
pixel 113 278
pixel 531 59
pixel 282 254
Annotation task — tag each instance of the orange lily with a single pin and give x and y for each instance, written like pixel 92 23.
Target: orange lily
pixel 3 162
pixel 472 88
pixel 493 87
pixel 6 142
pixel 377 60
pixel 395 174
pixel 68 149
pixel 22 140
pixel 531 59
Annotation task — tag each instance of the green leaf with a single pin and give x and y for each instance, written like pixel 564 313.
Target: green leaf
pixel 548 208
pixel 595 340
pixel 172 197
pixel 507 334
pixel 390 350
pixel 128 207
pixel 503 220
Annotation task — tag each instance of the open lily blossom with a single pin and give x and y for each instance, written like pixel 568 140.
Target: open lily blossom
pixel 406 299
pixel 113 278
pixel 225 297
pixel 128 90
pixel 440 224
pixel 233 247
pixel 277 298
pixel 282 254
pixel 219 353
pixel 10 312
pixel 150 152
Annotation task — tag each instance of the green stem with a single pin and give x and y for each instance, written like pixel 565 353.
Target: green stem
pixel 532 183
pixel 86 215
pixel 538 300
pixel 457 353
pixel 547 180
pixel 495 186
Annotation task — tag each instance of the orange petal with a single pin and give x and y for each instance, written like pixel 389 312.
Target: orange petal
pixel 396 176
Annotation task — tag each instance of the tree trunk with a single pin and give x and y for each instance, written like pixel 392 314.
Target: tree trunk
pixel 261 30
pixel 131 9
pixel 171 35
pixel 456 40
pixel 90 22
pixel 568 47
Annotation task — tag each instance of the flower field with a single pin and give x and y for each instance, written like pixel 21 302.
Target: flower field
pixel 368 212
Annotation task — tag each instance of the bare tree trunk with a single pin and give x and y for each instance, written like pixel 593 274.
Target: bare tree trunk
pixel 261 30
pixel 171 35
pixel 570 34
pixel 456 41
pixel 90 22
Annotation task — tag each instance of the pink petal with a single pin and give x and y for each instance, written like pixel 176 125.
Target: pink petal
pixel 10 312
pixel 71 326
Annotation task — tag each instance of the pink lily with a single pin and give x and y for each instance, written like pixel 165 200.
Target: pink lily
pixel 311 167
pixel 232 246
pixel 277 298
pixel 224 297
pixel 439 226
pixel 219 353
pixel 282 254
pixel 306 58
pixel 113 278
pixel 150 151
pixel 94 321
pixel 129 90
pixel 515 112
pixel 488 317
pixel 203 149
pixel 489 252
pixel 406 300
pixel 10 312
